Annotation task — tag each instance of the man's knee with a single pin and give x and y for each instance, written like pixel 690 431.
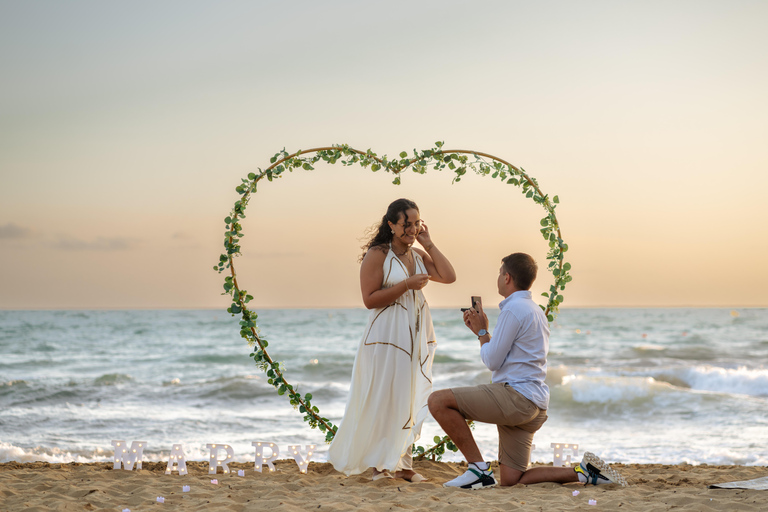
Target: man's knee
pixel 509 476
pixel 441 399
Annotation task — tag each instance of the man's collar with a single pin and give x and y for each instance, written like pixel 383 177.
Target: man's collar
pixel 519 294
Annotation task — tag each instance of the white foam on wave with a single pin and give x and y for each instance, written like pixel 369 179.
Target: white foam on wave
pixel 651 348
pixel 9 452
pixel 739 381
pixel 603 388
pixel 606 389
pixel 196 450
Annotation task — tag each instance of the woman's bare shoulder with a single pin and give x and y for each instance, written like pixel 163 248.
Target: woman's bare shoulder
pixel 376 254
pixel 379 250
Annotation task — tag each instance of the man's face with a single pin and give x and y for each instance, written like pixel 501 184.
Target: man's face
pixel 501 281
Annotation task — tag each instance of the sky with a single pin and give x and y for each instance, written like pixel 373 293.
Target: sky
pixel 126 126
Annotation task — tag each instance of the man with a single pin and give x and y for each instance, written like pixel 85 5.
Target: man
pixel 517 398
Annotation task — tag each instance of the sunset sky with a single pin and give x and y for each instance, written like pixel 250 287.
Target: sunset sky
pixel 126 126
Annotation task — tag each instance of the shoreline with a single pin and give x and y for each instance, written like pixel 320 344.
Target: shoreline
pixel 90 486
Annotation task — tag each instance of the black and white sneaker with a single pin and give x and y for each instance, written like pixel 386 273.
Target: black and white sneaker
pixel 594 470
pixel 474 478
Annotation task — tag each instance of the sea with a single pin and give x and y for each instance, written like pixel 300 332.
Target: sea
pixel 664 386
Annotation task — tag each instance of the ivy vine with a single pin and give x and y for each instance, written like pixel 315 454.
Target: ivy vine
pixel 459 162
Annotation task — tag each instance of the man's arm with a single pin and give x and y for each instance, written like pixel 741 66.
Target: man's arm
pixel 494 352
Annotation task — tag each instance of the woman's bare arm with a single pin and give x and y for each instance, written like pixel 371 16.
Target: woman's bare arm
pixel 439 268
pixel 372 278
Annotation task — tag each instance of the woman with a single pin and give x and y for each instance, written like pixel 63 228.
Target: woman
pixel 392 375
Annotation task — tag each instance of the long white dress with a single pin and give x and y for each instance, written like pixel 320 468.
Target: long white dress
pixel 391 382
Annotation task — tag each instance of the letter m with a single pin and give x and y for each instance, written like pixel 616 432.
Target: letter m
pixel 128 456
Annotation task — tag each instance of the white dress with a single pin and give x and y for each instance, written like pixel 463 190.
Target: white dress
pixel 391 382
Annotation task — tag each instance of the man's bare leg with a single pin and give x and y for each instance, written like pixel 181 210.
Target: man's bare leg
pixel 538 475
pixel 445 410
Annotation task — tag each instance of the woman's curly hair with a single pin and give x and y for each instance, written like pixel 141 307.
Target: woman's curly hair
pixel 381 235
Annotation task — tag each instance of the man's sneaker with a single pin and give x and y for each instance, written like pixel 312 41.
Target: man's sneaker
pixel 594 470
pixel 474 478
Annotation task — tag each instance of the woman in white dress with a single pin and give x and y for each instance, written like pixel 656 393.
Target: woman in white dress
pixel 392 375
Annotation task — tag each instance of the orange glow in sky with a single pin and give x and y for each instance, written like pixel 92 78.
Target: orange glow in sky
pixel 125 127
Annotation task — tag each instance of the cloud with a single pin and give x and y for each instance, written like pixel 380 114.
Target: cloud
pixel 99 244
pixel 12 231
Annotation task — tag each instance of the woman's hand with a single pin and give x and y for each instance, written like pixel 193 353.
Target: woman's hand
pixel 417 281
pixel 438 266
pixel 423 236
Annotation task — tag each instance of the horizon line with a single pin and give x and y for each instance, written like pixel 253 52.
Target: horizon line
pixel 164 308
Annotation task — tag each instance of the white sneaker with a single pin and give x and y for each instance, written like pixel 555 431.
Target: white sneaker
pixel 594 470
pixel 474 478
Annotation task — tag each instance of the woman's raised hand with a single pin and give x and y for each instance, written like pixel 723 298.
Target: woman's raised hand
pixel 417 281
pixel 423 236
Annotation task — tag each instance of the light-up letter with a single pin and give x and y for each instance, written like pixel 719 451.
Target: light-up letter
pixel 214 462
pixel 295 450
pixel 177 461
pixel 561 459
pixel 128 455
pixel 261 459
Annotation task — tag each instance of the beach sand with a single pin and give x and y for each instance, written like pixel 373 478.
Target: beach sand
pixel 45 486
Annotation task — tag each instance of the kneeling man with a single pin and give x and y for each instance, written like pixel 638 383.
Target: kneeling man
pixel 517 398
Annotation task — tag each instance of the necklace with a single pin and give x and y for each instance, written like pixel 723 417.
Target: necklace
pixel 406 251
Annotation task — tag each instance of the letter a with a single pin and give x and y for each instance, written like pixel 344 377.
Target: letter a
pixel 177 458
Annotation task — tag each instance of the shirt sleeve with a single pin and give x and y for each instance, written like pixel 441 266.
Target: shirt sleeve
pixel 494 353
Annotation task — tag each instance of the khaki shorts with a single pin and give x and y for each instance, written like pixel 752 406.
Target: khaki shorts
pixel 516 418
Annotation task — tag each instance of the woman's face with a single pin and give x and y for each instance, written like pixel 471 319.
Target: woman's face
pixel 408 227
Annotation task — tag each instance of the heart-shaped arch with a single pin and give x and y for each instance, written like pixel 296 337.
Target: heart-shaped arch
pixel 457 160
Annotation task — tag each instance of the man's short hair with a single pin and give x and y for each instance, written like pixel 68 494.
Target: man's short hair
pixel 522 268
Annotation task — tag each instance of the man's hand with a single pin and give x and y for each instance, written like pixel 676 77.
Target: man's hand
pixel 476 321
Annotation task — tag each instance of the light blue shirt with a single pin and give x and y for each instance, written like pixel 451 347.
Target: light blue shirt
pixel 517 352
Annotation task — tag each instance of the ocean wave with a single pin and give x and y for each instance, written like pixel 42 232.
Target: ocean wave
pixel 556 374
pixel 689 352
pixel 606 388
pixel 249 387
pixel 649 348
pixel 212 359
pixel 737 381
pixel 35 396
pixel 320 369
pixel 612 389
pixel 10 452
pixel 442 358
pixel 231 388
pixel 16 382
pixel 110 379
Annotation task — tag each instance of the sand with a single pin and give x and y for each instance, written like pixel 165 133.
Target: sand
pixel 44 486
